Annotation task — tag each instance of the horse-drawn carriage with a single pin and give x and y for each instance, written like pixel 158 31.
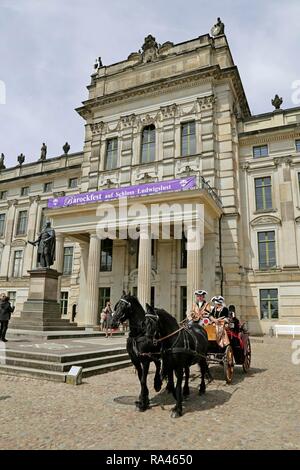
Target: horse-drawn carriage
pixel 229 344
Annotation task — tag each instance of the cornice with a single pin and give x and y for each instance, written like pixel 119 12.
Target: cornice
pixel 274 136
pixel 187 80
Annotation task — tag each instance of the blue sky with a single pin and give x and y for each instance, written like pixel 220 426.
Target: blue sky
pixel 48 48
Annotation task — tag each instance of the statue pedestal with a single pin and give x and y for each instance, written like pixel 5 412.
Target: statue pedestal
pixel 41 311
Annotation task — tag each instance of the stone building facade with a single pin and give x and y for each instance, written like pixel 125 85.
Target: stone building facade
pixel 169 112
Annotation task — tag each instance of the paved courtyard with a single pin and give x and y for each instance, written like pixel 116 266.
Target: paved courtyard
pixel 260 410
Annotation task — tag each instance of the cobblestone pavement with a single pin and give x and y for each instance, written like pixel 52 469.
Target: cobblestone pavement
pixel 260 410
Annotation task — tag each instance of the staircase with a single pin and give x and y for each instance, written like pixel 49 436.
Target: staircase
pixel 55 367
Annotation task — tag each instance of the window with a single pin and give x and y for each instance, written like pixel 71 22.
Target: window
pixel 17 267
pixel 183 252
pixel 148 144
pixel 22 223
pixel 266 250
pixel 188 138
pixel 104 296
pixel 68 260
pixel 263 193
pixel 111 154
pixel 260 151
pixel 297 143
pixel 106 255
pixel 48 187
pixel 73 182
pixel 3 195
pixel 24 191
pixel 2 224
pixel 12 294
pixel 64 299
pixel 268 304
pixel 183 302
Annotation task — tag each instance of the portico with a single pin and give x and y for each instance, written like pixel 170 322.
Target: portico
pixel 153 268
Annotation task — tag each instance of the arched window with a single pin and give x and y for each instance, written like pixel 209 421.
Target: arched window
pixel 148 144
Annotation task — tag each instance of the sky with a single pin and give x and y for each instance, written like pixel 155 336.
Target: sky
pixel 48 49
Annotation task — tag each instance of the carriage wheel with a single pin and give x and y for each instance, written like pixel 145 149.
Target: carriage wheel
pixel 228 364
pixel 247 360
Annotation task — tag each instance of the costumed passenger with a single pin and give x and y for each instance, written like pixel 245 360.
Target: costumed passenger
pixel 199 308
pixel 218 313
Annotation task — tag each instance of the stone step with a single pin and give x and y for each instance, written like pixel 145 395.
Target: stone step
pixel 61 366
pixel 66 358
pixel 89 371
pixel 58 327
pixel 33 373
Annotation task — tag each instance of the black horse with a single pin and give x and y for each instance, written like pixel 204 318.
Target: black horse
pixel 140 346
pixel 181 347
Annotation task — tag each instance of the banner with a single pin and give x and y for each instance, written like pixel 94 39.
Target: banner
pixel 129 191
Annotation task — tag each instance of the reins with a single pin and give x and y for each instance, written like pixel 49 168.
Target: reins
pixel 159 340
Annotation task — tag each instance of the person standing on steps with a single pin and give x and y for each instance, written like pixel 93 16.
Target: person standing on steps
pixel 108 321
pixel 5 313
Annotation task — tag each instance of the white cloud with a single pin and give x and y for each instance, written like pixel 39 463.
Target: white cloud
pixel 48 48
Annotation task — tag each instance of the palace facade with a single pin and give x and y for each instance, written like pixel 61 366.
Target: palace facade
pixel 169 112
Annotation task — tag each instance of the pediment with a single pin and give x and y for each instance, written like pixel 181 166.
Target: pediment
pixel 265 220
pixel 18 242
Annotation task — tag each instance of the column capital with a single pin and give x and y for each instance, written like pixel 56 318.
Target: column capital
pixel 34 199
pixel 59 236
pixel 12 202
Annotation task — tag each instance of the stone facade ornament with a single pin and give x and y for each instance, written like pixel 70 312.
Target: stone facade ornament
pixel 66 148
pixel 277 102
pixel 98 63
pixel 21 159
pixel 206 102
pixel 218 28
pixel 168 111
pixel 265 220
pixel 97 128
pixel 150 49
pixel 128 121
pixel 2 166
pixel 43 152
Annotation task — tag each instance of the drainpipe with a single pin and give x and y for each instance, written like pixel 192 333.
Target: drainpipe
pixel 220 253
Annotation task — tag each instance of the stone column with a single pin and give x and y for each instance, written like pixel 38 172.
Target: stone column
pixel 92 288
pixel 84 258
pixel 59 260
pixel 30 251
pixel 9 230
pixel 193 271
pixel 144 268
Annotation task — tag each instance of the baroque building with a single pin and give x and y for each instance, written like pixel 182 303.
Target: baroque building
pixel 169 112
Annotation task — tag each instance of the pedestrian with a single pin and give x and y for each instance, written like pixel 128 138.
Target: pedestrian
pixel 102 320
pixel 108 321
pixel 74 312
pixel 5 313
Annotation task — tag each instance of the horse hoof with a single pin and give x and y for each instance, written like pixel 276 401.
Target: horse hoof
pixel 186 393
pixel 201 391
pixel 175 414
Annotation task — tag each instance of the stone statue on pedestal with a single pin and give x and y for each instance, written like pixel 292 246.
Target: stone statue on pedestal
pixel 66 148
pixel 2 166
pixel 46 246
pixel 43 151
